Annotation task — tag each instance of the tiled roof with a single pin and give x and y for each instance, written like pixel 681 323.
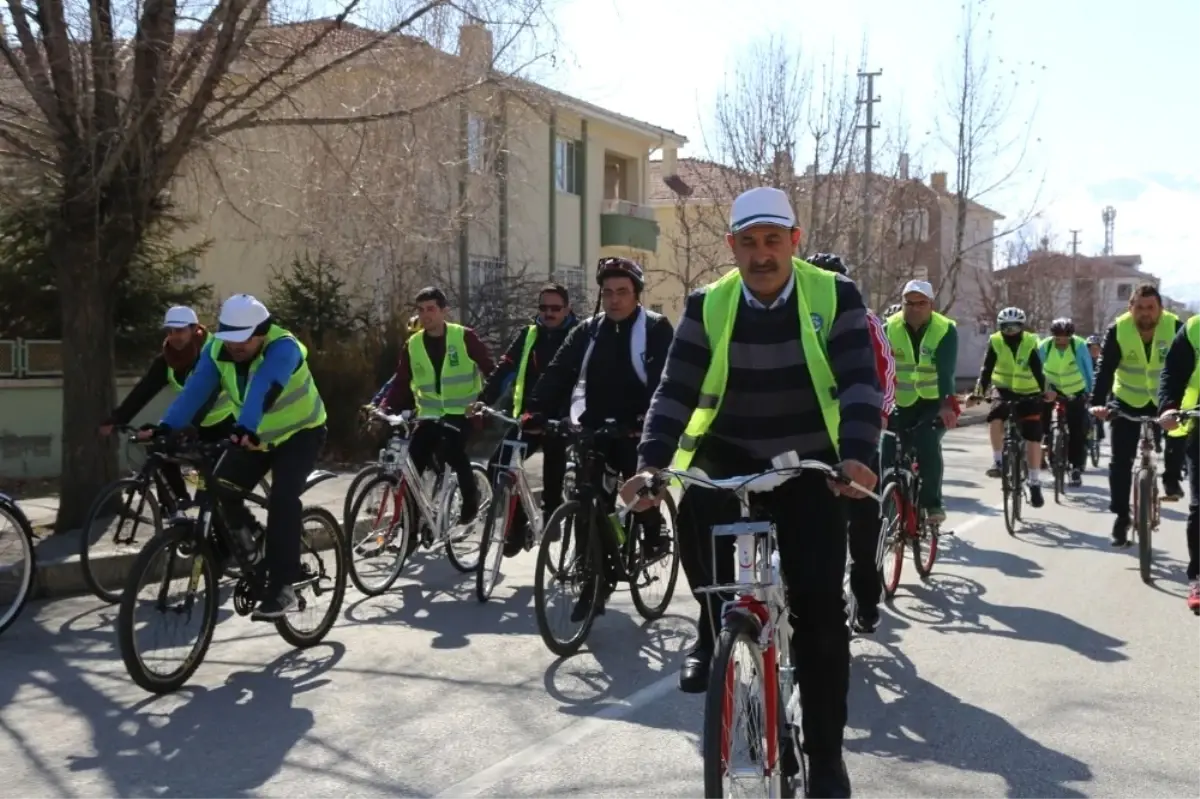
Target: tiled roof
pixel 1041 263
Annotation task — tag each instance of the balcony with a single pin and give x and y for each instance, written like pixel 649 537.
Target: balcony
pixel 626 224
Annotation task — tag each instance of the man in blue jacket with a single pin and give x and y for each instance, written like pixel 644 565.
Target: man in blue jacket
pixel 1068 368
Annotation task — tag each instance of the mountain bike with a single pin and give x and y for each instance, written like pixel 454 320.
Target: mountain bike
pixel 392 505
pixel 1093 442
pixel 904 521
pixel 199 549
pixel 143 500
pixel 609 549
pixel 1146 501
pixel 757 622
pixel 16 578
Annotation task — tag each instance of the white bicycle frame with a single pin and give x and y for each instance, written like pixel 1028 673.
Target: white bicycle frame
pixel 394 459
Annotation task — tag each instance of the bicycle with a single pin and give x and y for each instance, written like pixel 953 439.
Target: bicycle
pixel 1146 501
pixel 757 619
pixel 1093 442
pixel 1060 448
pixel 434 509
pixel 16 581
pixel 610 549
pixel 366 473
pixel 1014 466
pixel 209 543
pixel 509 486
pixel 155 501
pixel 906 525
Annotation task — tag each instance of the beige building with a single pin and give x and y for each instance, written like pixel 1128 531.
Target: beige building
pixel 501 187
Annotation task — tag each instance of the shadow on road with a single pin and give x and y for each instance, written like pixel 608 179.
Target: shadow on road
pixel 1052 535
pixel 963 552
pixel 922 722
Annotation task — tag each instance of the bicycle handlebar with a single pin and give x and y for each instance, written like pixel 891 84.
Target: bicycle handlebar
pixel 762 482
pixel 404 418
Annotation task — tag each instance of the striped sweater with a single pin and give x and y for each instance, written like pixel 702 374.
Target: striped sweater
pixel 770 407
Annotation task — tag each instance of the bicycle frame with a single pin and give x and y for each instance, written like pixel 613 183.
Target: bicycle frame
pixel 395 459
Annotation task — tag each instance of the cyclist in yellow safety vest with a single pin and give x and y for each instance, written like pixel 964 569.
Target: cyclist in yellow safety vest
pixel 183 344
pixel 1178 390
pixel 925 346
pixel 1068 368
pixel 440 373
pixel 1131 361
pixel 1012 364
pixel 521 366
pixel 280 427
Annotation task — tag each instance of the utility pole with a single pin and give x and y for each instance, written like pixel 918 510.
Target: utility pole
pixel 1075 242
pixel 868 98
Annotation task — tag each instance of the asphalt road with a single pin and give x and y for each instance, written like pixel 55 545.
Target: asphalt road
pixel 1034 666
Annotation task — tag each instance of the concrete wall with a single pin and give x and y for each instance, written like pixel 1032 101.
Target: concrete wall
pixel 31 425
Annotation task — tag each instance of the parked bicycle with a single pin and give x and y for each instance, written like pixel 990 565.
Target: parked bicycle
pixel 18 561
pixel 198 549
pixel 608 550
pixel 123 508
pixel 1146 501
pixel 755 622
pixel 400 509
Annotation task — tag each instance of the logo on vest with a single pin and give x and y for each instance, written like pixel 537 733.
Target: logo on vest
pixel 452 355
pixel 817 322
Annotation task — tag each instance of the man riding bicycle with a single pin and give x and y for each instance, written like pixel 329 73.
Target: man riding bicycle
pixel 1013 366
pixel 608 368
pixel 1131 361
pixel 182 347
pixel 925 346
pixel 527 357
pixel 773 358
pixel 1178 390
pixel 440 373
pixel 1068 368
pixel 280 426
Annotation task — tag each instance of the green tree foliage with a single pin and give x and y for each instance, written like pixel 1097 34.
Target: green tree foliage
pixel 311 298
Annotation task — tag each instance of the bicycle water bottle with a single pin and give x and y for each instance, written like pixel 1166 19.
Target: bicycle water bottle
pixel 619 529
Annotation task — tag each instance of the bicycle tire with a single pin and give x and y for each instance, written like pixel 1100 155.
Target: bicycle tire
pixel 571 509
pixel 737 628
pixel 98 506
pixel 1060 467
pixel 11 512
pixel 891 532
pixel 491 545
pixel 407 518
pixel 646 611
pixel 1094 449
pixel 283 625
pixel 485 490
pixel 126 639
pixel 360 480
pixel 1143 502
pixel 1009 477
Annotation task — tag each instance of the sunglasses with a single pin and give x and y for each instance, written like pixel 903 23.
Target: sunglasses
pixel 550 308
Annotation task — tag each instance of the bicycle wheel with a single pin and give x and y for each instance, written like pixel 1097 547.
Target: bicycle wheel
pixel 381 526
pixel 924 540
pixel 463 543
pixel 580 570
pixel 642 580
pixel 1060 466
pixel 1094 445
pixel 1011 485
pixel 1143 505
pixel 133 506
pixel 186 558
pixel 323 576
pixel 17 569
pixel 738 664
pixel 499 519
pixel 360 480
pixel 892 507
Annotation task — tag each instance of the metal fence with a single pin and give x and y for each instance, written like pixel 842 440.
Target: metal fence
pixel 30 357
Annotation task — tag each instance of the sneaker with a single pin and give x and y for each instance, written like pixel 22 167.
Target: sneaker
pixel 866 620
pixel 1076 478
pixel 935 515
pixel 994 470
pixel 273 607
pixel 1193 598
pixel 1172 490
pixel 1120 532
pixel 1035 495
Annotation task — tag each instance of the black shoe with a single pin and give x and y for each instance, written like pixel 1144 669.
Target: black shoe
pixel 1035 496
pixel 654 545
pixel 693 674
pixel 470 507
pixel 273 607
pixel 866 619
pixel 1120 532
pixel 994 470
pixel 580 611
pixel 828 779
pixel 1172 490
pixel 1076 478
pixel 518 534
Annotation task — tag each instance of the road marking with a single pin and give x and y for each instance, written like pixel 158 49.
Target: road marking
pixel 564 739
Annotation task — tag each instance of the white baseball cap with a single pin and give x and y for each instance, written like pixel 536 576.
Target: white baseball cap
pixel 240 315
pixel 918 287
pixel 761 206
pixel 180 316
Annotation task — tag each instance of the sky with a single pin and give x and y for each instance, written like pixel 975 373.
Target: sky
pixel 1107 100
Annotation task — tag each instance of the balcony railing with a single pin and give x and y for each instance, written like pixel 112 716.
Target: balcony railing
pixel 627 208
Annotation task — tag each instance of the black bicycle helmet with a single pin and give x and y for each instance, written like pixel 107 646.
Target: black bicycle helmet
pixel 620 267
pixel 1062 327
pixel 828 261
pixel 1093 340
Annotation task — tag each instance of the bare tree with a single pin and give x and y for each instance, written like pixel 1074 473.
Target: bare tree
pixel 110 102
pixel 695 241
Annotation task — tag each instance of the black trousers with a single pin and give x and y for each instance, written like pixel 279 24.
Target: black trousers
pixel 864 528
pixel 1124 444
pixel 1077 422
pixel 289 463
pixel 811 524
pixel 1193 519
pixel 449 441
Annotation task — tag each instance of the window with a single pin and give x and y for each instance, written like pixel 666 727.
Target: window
pixel 1123 291
pixel 656 307
pixel 487 277
pixel 567 166
pixel 572 277
pixel 476 142
pixel 913 225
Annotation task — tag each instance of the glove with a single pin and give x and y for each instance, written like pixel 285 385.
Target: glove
pixel 241 433
pixel 533 421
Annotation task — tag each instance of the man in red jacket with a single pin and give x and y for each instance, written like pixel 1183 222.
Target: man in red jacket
pixel 863 514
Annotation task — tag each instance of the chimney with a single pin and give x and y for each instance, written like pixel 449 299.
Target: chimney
pixel 904 166
pixel 475 46
pixel 937 181
pixel 784 169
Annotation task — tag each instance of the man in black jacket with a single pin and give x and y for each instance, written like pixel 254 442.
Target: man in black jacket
pixel 527 357
pixel 608 368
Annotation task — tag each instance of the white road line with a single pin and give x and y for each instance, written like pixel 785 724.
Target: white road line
pixel 564 739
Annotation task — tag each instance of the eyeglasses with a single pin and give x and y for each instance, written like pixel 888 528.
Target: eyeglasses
pixel 550 308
